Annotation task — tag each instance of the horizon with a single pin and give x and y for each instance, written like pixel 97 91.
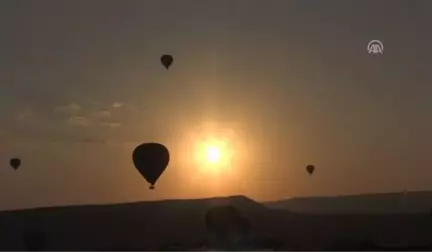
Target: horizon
pixel 167 200
pixel 249 101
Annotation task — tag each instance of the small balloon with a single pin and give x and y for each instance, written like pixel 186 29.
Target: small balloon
pixel 167 60
pixel 151 160
pixel 15 163
pixel 310 169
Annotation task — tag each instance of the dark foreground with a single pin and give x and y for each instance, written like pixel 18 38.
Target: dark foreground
pixel 180 225
pixel 337 248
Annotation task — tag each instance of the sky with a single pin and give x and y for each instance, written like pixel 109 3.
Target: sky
pixel 282 83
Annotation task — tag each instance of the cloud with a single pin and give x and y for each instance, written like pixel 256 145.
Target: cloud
pixel 117 105
pixel 79 121
pixel 25 115
pixel 91 140
pixel 112 125
pixel 103 114
pixel 73 107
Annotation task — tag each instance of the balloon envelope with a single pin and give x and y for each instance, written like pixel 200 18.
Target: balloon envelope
pixel 151 159
pixel 35 240
pixel 167 60
pixel 226 225
pixel 15 163
pixel 310 169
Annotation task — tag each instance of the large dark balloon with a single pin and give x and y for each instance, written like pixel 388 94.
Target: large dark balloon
pixel 226 226
pixel 151 159
pixel 35 241
pixel 310 169
pixel 167 60
pixel 15 163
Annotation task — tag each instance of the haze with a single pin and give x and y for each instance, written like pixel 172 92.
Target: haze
pixel 288 82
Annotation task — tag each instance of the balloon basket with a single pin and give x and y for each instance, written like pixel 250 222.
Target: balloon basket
pixel 152 187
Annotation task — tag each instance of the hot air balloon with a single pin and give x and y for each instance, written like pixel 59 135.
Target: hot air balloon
pixel 310 169
pixel 166 60
pixel 15 163
pixel 35 240
pixel 151 159
pixel 226 226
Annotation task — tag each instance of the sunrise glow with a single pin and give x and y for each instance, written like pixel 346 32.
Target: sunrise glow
pixel 213 154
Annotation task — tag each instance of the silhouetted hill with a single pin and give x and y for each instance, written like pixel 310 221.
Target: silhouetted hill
pixel 384 203
pixel 180 225
pixel 146 223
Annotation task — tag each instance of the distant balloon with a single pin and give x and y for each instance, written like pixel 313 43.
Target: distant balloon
pixel 151 159
pixel 310 169
pixel 226 226
pixel 167 60
pixel 15 163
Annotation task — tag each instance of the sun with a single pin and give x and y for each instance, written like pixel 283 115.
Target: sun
pixel 213 154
